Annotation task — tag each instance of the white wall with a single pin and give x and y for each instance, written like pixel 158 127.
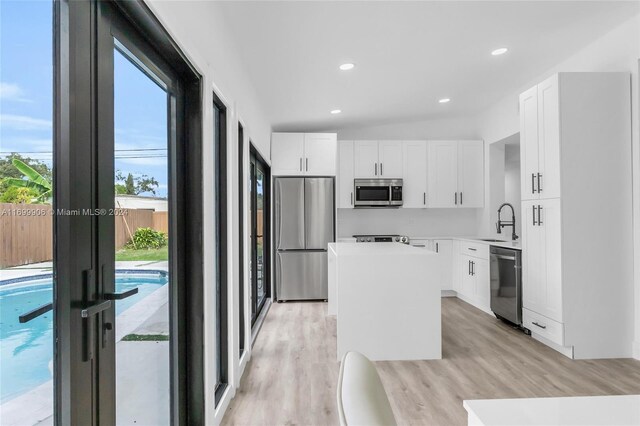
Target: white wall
pixel 618 50
pixel 411 222
pixel 201 33
pixel 451 128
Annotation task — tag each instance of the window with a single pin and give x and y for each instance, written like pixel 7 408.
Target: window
pixel 260 245
pixel 241 237
pixel 220 261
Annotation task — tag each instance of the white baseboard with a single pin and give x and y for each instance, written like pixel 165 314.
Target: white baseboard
pixel 448 293
pixel 564 350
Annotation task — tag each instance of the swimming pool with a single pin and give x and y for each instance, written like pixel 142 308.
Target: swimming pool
pixel 27 349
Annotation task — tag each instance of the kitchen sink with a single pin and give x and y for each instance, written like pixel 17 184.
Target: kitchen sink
pixel 489 240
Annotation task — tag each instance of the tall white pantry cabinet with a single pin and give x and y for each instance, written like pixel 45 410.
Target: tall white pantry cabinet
pixel 575 145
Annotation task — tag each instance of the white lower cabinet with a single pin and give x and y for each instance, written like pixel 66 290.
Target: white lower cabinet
pixel 444 248
pixel 473 270
pixel 543 326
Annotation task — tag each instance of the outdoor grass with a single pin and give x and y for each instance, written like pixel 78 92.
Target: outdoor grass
pixel 145 337
pixel 144 254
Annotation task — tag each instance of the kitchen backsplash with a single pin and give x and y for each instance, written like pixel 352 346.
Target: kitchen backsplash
pixel 411 222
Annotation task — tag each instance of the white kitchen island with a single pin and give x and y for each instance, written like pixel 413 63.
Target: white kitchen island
pixel 386 297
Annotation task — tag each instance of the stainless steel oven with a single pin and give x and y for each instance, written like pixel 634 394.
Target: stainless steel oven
pixel 378 192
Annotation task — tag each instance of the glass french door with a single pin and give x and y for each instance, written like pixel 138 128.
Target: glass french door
pixel 101 288
pixel 259 199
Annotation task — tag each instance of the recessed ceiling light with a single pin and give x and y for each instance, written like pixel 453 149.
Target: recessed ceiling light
pixel 347 66
pixel 500 51
pixel 336 111
pixel 444 100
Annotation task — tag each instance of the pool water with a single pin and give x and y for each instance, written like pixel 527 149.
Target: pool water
pixel 26 350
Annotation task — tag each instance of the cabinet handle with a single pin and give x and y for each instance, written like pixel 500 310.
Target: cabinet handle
pixel 539 215
pixel 381 172
pixel 300 163
pixel 534 215
pixel 533 183
pixel 472 249
pixel 375 167
pixel 352 198
pixel 539 186
pixel 460 197
pixel 469 268
pixel 456 198
pixel 419 245
pixel 437 251
pixel 306 161
pixel 541 326
pixel 424 198
pixel 473 268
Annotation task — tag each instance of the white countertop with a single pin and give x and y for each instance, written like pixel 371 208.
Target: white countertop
pixel 367 249
pixel 584 410
pixel 507 244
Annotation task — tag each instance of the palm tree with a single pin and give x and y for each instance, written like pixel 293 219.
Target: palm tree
pixel 34 181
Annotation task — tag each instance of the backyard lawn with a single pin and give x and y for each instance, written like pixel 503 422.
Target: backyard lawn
pixel 143 254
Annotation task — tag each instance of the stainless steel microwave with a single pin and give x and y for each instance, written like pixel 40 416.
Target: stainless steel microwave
pixel 377 192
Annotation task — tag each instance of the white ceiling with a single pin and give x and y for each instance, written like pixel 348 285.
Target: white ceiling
pixel 407 54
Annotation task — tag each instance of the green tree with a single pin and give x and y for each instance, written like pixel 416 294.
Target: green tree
pixel 8 170
pixel 18 195
pixel 130 185
pixel 30 179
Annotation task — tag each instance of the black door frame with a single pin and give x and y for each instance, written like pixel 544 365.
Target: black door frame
pixel 255 159
pixel 83 162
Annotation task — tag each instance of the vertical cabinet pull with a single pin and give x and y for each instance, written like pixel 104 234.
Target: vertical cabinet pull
pixel 300 163
pixel 533 183
pixel 539 215
pixel 424 198
pixel 437 251
pixel 375 168
pixel 352 198
pixel 533 208
pixel 460 197
pixel 381 173
pixel 469 267
pixel 306 160
pixel 456 198
pixel 539 186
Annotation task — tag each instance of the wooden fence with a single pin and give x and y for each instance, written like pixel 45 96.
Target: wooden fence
pixel 26 231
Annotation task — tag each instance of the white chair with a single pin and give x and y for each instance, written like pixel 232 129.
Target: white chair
pixel 361 396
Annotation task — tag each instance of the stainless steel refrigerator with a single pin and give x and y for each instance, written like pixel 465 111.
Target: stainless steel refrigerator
pixel 304 225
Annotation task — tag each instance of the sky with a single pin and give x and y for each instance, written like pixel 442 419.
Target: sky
pixel 26 97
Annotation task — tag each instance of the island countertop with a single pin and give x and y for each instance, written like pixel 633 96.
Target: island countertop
pixel 367 249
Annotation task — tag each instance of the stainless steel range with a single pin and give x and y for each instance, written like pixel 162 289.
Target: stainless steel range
pixel 382 239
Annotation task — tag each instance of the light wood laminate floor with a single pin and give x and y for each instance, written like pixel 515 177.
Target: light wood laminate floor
pixel 291 379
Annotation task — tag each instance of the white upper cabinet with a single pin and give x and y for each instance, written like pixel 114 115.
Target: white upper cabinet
pixel 471 173
pixel 414 190
pixel 540 141
pixel 299 154
pixel 287 154
pixel 390 159
pixel 345 174
pixel 442 174
pixel 320 154
pixel 548 185
pixel 455 174
pixel 365 159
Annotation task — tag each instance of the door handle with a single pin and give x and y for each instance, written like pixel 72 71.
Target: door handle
pixel 306 160
pixel 534 215
pixel 120 296
pixel 35 313
pixel 437 251
pixel 539 215
pixel 460 197
pixel 456 198
pixel 381 173
pixel 533 183
pixel 375 168
pixel 539 186
pixel 469 267
pixel 424 198
pixel 473 268
pixel 95 309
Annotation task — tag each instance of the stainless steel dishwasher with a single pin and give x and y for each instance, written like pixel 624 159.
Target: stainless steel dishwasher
pixel 506 284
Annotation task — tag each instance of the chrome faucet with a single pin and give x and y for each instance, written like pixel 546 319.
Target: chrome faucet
pixel 502 223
